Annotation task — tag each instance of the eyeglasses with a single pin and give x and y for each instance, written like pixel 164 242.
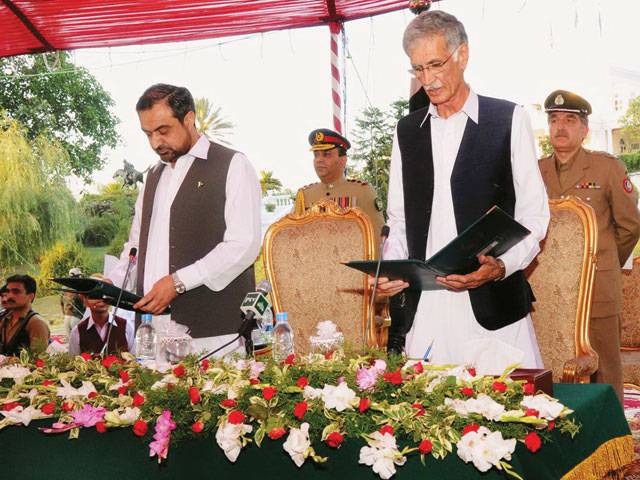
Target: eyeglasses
pixel 432 68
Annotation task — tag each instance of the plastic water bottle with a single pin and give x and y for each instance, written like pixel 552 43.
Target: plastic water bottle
pixel 146 339
pixel 282 338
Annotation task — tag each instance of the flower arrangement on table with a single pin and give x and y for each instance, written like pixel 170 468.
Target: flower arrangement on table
pixel 399 408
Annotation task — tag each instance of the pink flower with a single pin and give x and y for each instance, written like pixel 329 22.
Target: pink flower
pixel 366 378
pixel 88 415
pixel 160 444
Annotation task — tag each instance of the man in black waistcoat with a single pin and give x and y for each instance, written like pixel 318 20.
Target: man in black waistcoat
pixel 196 224
pixel 451 162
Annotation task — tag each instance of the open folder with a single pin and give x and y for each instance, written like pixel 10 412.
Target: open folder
pixel 492 234
pixel 97 289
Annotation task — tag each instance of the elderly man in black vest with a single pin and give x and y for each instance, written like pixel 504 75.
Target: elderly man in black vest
pixel 451 162
pixel 196 223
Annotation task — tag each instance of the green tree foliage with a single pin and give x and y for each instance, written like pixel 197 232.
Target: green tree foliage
pixel 372 140
pixel 269 182
pixel 36 207
pixel 631 119
pixel 632 161
pixel 57 261
pixel 210 122
pixel 63 102
pixel 545 145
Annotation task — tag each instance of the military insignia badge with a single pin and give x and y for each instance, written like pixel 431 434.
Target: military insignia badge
pixel 200 184
pixel 319 136
pixel 559 100
pixel 627 185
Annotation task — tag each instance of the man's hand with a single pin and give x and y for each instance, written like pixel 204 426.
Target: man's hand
pixel 388 288
pixel 159 297
pixel 491 269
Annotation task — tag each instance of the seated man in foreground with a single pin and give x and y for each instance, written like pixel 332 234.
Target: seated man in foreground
pixel 21 327
pixel 90 334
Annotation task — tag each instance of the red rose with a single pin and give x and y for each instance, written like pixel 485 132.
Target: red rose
pixel 290 360
pixel 108 361
pixel 529 388
pixel 48 383
pixel 499 387
pixel 85 356
pixel 472 371
pixel 170 386
pixel 39 363
pixel 425 447
pixel 7 407
pixel 140 428
pixel 532 442
pixel 472 427
pixel 467 391
pixel 122 390
pixel 386 429
pixel 531 412
pixel 276 433
pixel 48 408
pixel 302 382
pixel 418 368
pixel 179 371
pixel 228 403
pixel 328 355
pixel 420 408
pixel 194 395
pixel 393 377
pixel 92 395
pixel 124 375
pixel 138 400
pixel 197 427
pixel 205 365
pixel 269 392
pixel 254 381
pixel 334 439
pixel 67 407
pixel 101 427
pixel 365 403
pixel 551 426
pixel 300 409
pixel 236 417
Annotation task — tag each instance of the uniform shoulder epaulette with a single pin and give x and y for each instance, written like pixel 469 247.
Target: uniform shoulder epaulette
pixel 600 152
pixel 309 185
pixel 355 180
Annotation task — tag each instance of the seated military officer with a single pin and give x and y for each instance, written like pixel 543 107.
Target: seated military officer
pixel 329 161
pixel 90 334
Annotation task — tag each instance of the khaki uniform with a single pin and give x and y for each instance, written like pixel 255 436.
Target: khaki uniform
pixel 346 193
pixel 601 180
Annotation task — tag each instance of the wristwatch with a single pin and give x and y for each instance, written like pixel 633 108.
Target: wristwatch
pixel 177 283
pixel 503 270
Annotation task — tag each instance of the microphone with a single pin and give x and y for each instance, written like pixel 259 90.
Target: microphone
pixel 384 234
pixel 253 308
pixel 132 261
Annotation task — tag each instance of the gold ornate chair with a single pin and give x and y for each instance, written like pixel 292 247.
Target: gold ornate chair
pixel 562 277
pixel 630 324
pixel 302 259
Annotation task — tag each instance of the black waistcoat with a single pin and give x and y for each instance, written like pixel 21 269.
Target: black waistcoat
pixel 91 342
pixel 481 178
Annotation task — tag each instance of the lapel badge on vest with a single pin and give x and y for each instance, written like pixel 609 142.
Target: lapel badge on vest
pixel 200 184
pixel 627 185
pixel 588 186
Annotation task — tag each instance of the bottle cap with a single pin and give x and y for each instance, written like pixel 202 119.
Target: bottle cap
pixel 281 317
pixel 146 317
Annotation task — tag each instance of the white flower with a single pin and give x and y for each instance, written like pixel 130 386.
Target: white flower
pixel 14 371
pixel 298 444
pixel 483 405
pixel 310 393
pixel 382 454
pixel 68 391
pixel 167 379
pixel 23 415
pixel 485 448
pixel 229 436
pixel 340 397
pixel 548 407
pixel 31 394
pixel 127 417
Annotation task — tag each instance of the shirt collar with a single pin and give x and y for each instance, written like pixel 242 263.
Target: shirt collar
pixel 470 108
pixel 91 323
pixel 200 149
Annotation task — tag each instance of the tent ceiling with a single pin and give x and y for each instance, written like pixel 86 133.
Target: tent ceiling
pixel 30 26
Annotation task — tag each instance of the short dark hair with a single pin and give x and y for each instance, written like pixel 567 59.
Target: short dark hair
pixel 341 151
pixel 3 289
pixel 178 98
pixel 27 281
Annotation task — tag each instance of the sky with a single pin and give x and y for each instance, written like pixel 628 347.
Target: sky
pixel 276 87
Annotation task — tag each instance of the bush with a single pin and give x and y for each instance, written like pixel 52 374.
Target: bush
pixel 631 160
pixel 115 247
pixel 100 231
pixel 270 207
pixel 57 261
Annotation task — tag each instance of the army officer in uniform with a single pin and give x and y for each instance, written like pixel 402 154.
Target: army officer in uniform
pixel 329 161
pixel 600 180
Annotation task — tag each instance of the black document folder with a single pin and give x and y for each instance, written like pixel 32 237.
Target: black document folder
pixel 492 234
pixel 94 288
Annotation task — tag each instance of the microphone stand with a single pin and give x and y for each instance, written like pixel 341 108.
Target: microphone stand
pixel 384 234
pixel 245 329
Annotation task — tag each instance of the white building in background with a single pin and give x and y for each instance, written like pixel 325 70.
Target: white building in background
pixel 609 104
pixel 279 204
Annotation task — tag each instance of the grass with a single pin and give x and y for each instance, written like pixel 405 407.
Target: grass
pixel 49 308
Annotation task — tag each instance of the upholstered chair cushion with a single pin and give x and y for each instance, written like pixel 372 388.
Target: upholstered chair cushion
pixel 630 314
pixel 631 367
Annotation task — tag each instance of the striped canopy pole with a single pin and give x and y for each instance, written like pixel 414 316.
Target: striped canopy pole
pixel 336 96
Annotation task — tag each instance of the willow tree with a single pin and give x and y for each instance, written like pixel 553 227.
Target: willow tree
pixel 36 207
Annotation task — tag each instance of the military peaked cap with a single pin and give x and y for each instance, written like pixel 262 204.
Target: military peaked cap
pixel 564 101
pixel 325 139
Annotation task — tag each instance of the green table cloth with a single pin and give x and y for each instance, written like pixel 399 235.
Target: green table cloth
pixel 603 444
